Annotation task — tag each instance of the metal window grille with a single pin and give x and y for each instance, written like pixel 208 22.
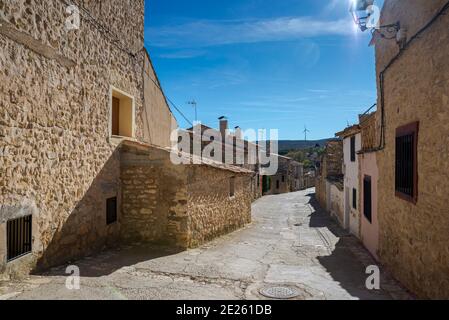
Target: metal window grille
pixel 111 210
pixel 19 237
pixel 405 149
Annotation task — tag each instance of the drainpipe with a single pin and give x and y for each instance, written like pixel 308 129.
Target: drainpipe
pixel 395 58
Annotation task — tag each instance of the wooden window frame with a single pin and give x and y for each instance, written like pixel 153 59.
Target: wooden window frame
pixel 130 105
pixel 411 128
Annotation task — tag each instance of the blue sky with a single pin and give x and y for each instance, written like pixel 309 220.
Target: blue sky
pixel 264 64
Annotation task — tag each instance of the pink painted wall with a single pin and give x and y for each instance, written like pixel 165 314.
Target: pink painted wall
pixel 369 231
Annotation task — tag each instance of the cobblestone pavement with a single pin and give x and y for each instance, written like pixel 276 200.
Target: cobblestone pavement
pixel 291 242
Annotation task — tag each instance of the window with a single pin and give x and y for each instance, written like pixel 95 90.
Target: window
pixel 367 201
pixel 406 176
pixel 19 237
pixel 122 115
pixel 283 178
pixel 354 199
pixel 277 184
pixel 232 187
pixel 111 210
pixel 353 149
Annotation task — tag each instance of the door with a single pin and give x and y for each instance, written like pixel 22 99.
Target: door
pixel 266 184
pixel 347 208
pixel 367 199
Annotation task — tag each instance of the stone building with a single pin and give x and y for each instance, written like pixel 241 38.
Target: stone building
pixel 288 178
pixel 329 181
pixel 59 160
pixel 351 146
pixel 235 150
pixel 180 205
pixel 413 145
pixel 84 141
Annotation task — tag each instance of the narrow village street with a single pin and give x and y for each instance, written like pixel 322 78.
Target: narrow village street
pixel 290 242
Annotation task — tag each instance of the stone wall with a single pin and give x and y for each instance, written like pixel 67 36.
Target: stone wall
pixel 335 200
pixel 369 135
pixel 414 237
pixel 179 205
pixel 154 197
pixel 54 117
pixel 212 210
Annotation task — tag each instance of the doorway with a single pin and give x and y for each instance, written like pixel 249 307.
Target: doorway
pixel 266 184
pixel 347 208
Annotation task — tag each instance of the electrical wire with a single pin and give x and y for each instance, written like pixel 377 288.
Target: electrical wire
pixel 392 61
pixel 114 40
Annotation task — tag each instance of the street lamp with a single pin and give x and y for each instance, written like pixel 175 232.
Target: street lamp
pixel 360 12
pixel 366 15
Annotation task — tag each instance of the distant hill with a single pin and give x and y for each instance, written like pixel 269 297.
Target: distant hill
pixel 287 145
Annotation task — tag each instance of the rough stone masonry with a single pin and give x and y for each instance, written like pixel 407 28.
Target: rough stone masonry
pixel 59 159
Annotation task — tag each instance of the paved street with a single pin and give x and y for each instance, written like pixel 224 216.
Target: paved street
pixel 290 242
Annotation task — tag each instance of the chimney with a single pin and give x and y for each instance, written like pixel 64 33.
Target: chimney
pixel 238 133
pixel 223 127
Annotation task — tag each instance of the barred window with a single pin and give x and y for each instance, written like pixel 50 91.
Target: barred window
pixel 19 237
pixel 406 176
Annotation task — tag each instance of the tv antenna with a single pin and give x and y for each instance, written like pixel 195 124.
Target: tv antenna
pixel 305 133
pixel 194 104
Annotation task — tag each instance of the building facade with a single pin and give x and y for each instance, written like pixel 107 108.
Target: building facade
pixel 330 180
pixel 288 178
pixel 368 182
pixel 181 206
pixel 228 147
pixel 58 158
pixel 85 138
pixel 413 117
pixel 351 146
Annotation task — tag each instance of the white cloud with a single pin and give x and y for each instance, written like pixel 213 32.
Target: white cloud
pixel 182 54
pixel 335 5
pixel 205 33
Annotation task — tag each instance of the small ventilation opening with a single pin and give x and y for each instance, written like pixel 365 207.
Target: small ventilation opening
pixel 19 237
pixel 232 187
